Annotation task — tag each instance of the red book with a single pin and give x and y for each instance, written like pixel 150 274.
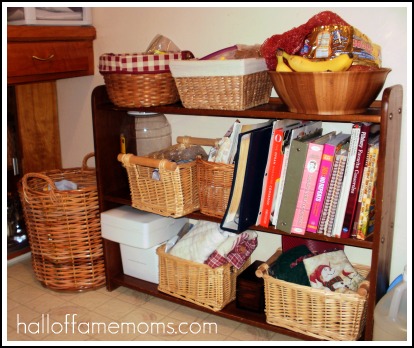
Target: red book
pixel 273 169
pixel 356 180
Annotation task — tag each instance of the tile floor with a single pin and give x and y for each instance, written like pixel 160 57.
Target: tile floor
pixel 35 313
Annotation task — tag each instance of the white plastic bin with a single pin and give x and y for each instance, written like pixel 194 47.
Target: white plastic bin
pixel 139 234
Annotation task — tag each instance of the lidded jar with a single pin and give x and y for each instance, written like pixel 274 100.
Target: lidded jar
pixel 152 132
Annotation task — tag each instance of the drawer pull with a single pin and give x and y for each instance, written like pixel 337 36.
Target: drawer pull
pixel 44 59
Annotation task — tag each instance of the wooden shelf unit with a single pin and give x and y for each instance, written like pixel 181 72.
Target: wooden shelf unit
pixel 113 189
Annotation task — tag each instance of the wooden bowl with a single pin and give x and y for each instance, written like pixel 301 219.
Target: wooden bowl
pixel 329 93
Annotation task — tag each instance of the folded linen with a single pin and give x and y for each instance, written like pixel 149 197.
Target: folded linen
pixel 235 250
pixel 198 244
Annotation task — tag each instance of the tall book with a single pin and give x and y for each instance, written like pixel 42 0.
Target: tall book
pixel 361 155
pixel 363 189
pixel 273 168
pixel 288 137
pixel 307 186
pixel 346 184
pixel 322 182
pixel 332 195
pixel 366 193
pixel 294 174
pixel 245 193
pixel 239 128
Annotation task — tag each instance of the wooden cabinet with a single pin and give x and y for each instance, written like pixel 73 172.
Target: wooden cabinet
pixel 36 57
pixel 113 189
pixel 37 53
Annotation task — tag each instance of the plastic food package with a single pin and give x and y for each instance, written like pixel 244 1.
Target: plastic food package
pixel 329 41
pixel 161 44
pixel 238 51
pixel 180 153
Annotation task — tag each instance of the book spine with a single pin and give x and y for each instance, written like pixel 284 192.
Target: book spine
pixel 362 190
pixel 294 173
pixel 356 181
pixel 334 181
pixel 366 199
pixel 275 164
pixel 346 184
pixel 279 186
pixel 321 188
pixel 333 207
pixel 307 188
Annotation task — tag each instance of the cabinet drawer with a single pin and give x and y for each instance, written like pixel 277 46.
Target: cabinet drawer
pixel 49 60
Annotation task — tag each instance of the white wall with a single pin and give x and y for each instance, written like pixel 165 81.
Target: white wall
pixel 204 30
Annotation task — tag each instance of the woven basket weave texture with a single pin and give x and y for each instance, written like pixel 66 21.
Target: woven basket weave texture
pixel 321 314
pixel 64 228
pixel 224 92
pixel 198 283
pixel 214 186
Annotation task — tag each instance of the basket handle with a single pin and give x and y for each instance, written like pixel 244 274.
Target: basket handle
pixel 50 182
pixel 197 141
pixel 146 161
pixel 262 269
pixel 85 160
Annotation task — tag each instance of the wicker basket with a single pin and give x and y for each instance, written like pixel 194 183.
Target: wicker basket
pixel 321 314
pixel 175 194
pixel 214 185
pixel 141 90
pixel 224 92
pixel 64 228
pixel 198 283
pixel 139 79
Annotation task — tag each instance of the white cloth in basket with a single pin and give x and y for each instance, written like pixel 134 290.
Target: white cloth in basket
pixel 200 242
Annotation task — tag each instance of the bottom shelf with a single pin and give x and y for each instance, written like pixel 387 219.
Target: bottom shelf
pixel 230 311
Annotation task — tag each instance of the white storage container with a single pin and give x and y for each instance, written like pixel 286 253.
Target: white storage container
pixel 139 234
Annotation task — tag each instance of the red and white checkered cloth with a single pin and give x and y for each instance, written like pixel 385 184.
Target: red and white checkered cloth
pixel 125 63
pixel 236 251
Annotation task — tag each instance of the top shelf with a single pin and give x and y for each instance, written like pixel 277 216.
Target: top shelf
pixel 274 108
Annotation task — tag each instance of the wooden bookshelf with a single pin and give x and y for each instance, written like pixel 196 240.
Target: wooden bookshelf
pixel 114 191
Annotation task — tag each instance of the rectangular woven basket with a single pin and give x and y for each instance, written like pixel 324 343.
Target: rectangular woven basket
pixel 198 283
pixel 224 92
pixel 214 186
pixel 175 192
pixel 321 314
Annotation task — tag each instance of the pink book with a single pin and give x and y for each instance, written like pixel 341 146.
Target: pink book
pixel 307 188
pixel 322 182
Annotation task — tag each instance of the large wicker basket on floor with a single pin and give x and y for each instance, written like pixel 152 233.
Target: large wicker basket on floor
pixel 174 192
pixel 321 314
pixel 198 283
pixel 214 185
pixel 64 228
